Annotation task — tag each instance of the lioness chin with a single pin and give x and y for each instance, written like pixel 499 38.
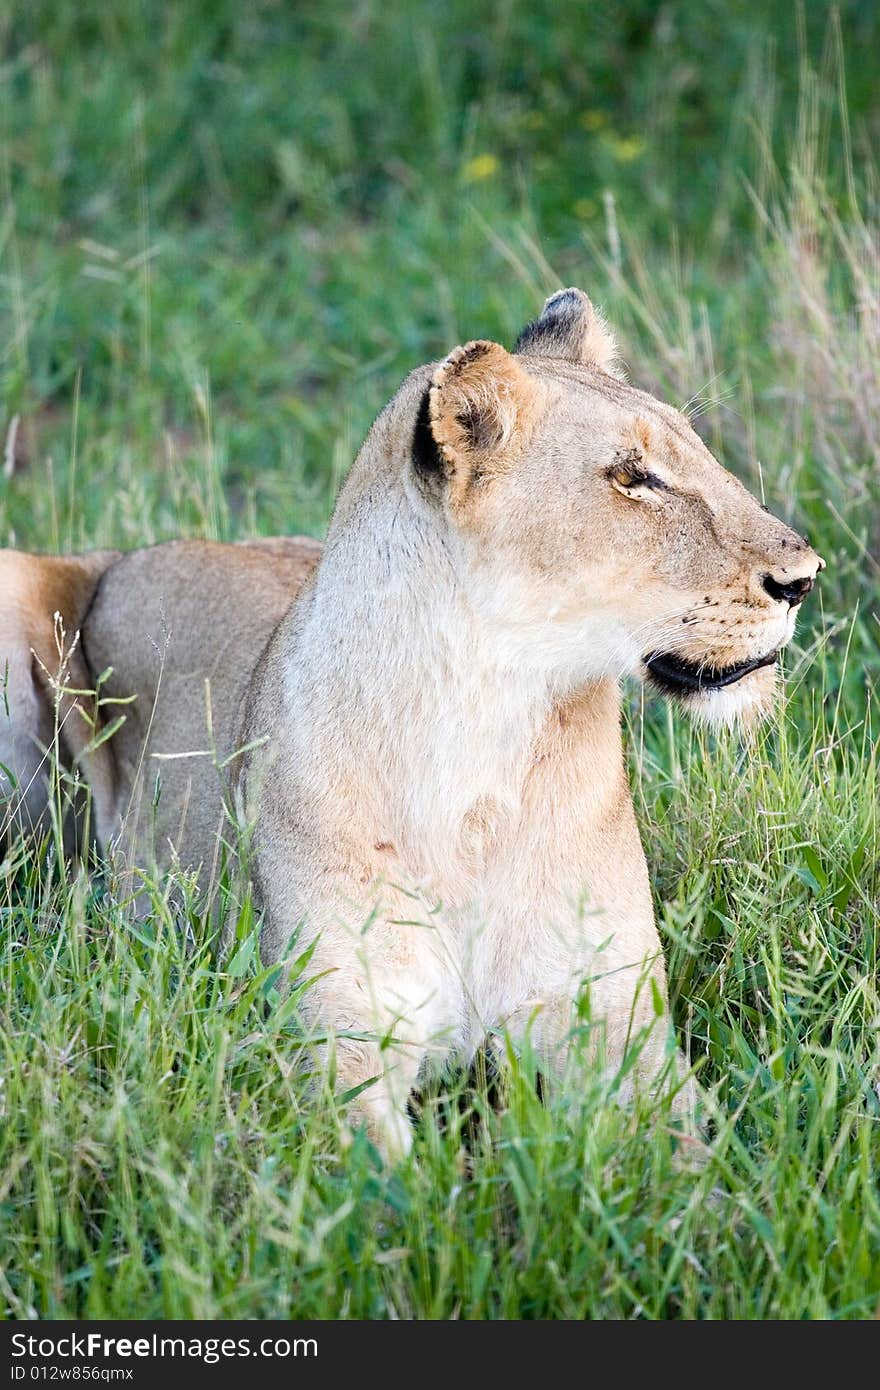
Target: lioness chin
pixel 430 712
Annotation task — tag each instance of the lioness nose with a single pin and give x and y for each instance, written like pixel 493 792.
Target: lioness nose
pixel 790 591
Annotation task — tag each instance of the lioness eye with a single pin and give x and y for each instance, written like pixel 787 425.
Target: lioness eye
pixel 629 476
pixel 626 476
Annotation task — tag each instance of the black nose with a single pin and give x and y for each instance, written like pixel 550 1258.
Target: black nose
pixel 792 592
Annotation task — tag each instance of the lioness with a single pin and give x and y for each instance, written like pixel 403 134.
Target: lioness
pixel 433 765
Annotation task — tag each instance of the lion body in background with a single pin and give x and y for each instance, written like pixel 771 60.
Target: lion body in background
pixel 181 627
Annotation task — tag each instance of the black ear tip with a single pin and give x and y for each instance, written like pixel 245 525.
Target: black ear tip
pixel 565 299
pixel 569 328
pixel 555 330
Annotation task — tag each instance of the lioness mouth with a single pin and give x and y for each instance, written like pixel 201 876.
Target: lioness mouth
pixel 677 674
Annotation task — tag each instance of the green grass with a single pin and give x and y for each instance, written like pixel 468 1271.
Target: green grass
pixel 225 235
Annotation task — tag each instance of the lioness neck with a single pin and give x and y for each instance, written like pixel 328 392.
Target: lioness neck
pixel 460 752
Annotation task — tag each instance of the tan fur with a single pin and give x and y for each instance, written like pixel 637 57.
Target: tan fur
pixel 442 805
pixel 435 774
pixel 44 600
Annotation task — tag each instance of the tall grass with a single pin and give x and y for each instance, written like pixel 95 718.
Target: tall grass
pixel 201 313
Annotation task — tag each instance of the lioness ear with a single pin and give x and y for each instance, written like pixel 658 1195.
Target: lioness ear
pixel 570 327
pixel 481 409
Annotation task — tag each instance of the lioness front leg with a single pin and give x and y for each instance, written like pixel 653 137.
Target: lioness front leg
pixel 381 1013
pixel 388 1076
pixel 623 1016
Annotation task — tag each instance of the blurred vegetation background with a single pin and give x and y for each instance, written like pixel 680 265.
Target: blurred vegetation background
pixel 242 224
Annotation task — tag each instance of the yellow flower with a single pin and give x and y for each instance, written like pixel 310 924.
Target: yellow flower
pixel 585 208
pixel 593 120
pixel 627 148
pixel 482 166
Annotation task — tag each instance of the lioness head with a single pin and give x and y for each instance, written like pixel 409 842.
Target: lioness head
pixel 597 532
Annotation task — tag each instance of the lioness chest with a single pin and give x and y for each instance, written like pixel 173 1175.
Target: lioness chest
pixel 537 930
pixel 540 905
